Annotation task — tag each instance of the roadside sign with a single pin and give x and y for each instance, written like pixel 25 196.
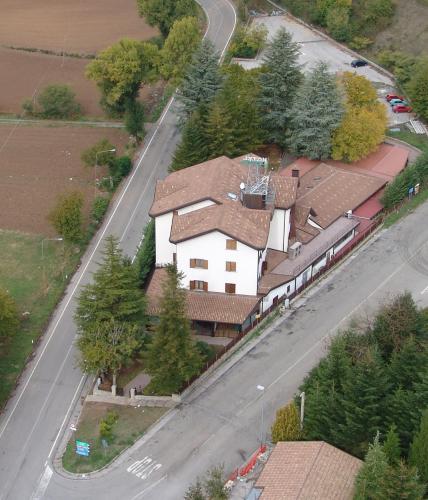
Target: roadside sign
pixel 83 448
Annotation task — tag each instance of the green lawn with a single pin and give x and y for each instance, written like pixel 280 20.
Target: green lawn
pixel 418 140
pixel 131 424
pixel 36 284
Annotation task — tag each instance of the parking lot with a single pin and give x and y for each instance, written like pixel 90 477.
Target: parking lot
pixel 315 47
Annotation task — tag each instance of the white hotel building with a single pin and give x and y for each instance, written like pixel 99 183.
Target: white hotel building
pixel 245 238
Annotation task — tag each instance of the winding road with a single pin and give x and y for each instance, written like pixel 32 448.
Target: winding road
pixel 35 418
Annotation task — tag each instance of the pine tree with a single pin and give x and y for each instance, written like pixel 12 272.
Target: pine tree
pixel 279 82
pixel 219 132
pixel 201 81
pixel 193 148
pixel 238 102
pixel 391 446
pixel 408 364
pixel 172 358
pixel 363 402
pixel 287 424
pixel 418 455
pixel 370 481
pixel 114 293
pixel 402 482
pixel 312 126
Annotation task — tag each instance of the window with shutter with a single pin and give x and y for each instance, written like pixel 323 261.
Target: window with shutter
pixel 231 266
pixel 230 287
pixel 200 285
pixel 231 244
pixel 201 263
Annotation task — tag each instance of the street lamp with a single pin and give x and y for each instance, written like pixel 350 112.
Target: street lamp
pixel 302 409
pixel 262 389
pixel 48 239
pixel 113 150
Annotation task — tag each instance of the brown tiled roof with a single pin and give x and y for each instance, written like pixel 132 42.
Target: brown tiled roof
pixel 212 180
pixel 306 233
pixel 204 306
pixel 301 214
pixel 274 258
pixel 285 190
pixel 270 281
pixel 311 470
pixel 246 225
pixel 332 191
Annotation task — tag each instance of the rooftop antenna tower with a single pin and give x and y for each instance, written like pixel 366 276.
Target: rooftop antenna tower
pixel 258 180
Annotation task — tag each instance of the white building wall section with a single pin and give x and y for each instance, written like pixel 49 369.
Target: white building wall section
pixel 195 206
pixel 303 277
pixel 285 289
pixel 319 265
pixel 262 258
pixel 212 247
pixel 314 224
pixel 279 230
pixel 164 248
pixel 339 247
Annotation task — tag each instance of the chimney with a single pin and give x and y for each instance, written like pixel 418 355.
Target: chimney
pixel 296 173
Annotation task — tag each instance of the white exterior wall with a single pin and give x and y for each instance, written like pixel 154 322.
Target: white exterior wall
pixel 164 248
pixel 279 230
pixel 212 247
pixel 319 265
pixel 339 247
pixel 299 279
pixel 195 206
pixel 262 258
pixel 277 292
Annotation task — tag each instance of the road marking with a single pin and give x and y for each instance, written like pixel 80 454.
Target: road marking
pixel 424 290
pixel 142 493
pixel 144 468
pixel 43 484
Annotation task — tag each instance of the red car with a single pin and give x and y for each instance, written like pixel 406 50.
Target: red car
pixel 390 97
pixel 400 108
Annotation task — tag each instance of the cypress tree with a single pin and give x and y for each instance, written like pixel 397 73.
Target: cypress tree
pixel 418 455
pixel 312 125
pixel 391 446
pixel 219 132
pixel 279 82
pixel 201 81
pixel 193 148
pixel 172 358
pixel 370 481
pixel 364 391
pixel 146 255
pixel 402 482
pixel 114 293
pixel 287 424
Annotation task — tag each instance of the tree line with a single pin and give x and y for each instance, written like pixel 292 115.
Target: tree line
pixel 369 397
pixel 230 111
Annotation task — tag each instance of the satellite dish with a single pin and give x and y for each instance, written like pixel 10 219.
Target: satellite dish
pixel 242 186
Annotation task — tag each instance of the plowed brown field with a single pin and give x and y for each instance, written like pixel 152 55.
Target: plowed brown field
pixel 23 74
pixel 37 164
pixel 75 26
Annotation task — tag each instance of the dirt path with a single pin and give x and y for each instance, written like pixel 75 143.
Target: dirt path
pixel 62 123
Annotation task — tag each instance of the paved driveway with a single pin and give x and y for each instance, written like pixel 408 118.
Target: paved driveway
pixel 315 48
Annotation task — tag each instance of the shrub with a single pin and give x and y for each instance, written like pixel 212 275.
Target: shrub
pixel 107 423
pixel 66 216
pixel 134 120
pixel 55 101
pixel 99 154
pixel 248 41
pixel 287 424
pixel 99 208
pixel 206 351
pixel 146 253
pixel 9 321
pixel 120 167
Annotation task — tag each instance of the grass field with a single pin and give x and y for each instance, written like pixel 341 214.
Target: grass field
pixel 131 424
pixel 418 140
pixel 36 283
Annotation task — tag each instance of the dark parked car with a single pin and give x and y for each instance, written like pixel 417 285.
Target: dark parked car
pixel 356 63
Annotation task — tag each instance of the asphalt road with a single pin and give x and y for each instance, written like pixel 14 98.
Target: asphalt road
pixel 220 422
pixel 36 415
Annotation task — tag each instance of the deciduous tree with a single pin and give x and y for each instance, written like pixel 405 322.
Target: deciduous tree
pixel 100 153
pixel 418 88
pixel 134 120
pixel 54 101
pixel 279 83
pixel 120 69
pixel 176 54
pixel 312 126
pixel 106 346
pixel 172 357
pixel 66 216
pixel 163 13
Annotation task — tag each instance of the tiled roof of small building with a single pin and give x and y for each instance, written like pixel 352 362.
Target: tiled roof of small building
pixel 308 470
